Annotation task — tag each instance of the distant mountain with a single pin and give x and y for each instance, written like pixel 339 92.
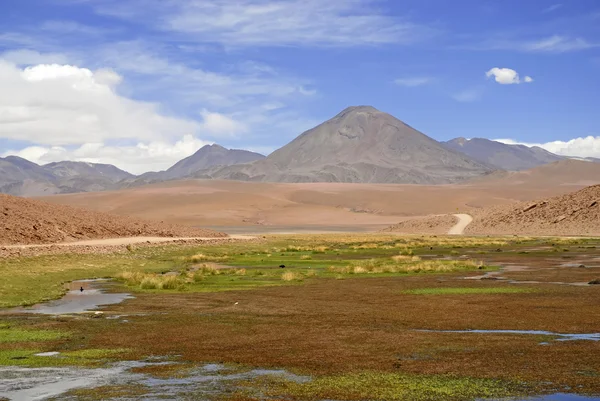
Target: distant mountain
pixel 24 178
pixel 360 144
pixel 69 170
pixel 501 155
pixel 207 157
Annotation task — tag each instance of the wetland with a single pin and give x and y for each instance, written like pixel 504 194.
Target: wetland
pixel 349 317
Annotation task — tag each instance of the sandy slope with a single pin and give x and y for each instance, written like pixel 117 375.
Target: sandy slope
pixel 26 221
pixel 376 206
pixel 463 221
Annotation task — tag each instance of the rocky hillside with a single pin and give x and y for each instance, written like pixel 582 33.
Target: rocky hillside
pixel 24 221
pixel 21 177
pixel 577 213
pixel 360 144
pixel 501 155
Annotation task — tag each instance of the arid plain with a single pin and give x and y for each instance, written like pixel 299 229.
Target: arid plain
pixel 324 298
pixel 263 207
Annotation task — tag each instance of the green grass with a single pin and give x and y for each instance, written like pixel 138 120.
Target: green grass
pixel 27 357
pixel 19 335
pixel 468 291
pixel 26 281
pixel 387 386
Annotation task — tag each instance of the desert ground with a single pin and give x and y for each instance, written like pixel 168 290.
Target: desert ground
pixel 350 317
pixel 376 292
pixel 243 207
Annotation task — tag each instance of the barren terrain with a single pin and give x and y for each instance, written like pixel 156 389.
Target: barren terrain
pixel 25 221
pixel 250 207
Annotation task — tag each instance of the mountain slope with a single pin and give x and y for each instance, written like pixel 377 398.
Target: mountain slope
pixel 69 170
pixel 206 158
pixel 209 156
pixel 23 178
pixel 502 156
pixel 576 213
pixel 27 221
pixel 360 144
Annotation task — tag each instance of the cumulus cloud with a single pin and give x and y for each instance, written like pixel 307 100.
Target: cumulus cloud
pixel 221 125
pixel 55 104
pixel 413 81
pixel 581 147
pixel 137 159
pixel 507 76
pixel 22 57
pixel 71 113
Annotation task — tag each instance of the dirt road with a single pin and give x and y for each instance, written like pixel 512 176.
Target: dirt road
pixel 463 221
pixel 130 241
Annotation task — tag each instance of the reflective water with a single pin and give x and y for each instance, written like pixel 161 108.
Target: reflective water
pixel 77 301
pixel 19 383
pixel 561 336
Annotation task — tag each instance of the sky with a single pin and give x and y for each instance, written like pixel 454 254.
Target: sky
pixel 142 84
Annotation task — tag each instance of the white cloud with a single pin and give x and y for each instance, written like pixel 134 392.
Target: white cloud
pixel 552 8
pixel 506 76
pixel 72 113
pixel 221 125
pixel 137 159
pixel 468 95
pixel 554 44
pixel 54 104
pixel 31 57
pixel 582 147
pixel 413 81
pixel 558 44
pixel 272 23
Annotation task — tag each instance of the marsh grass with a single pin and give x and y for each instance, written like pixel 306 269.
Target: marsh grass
pixel 292 276
pixel 469 291
pixel 405 264
pixel 30 280
pixel 87 357
pixel 383 386
pixel 200 257
pixel 151 281
pixel 10 334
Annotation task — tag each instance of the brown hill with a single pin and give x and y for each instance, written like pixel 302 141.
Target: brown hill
pixel 577 213
pixel 573 173
pixel 24 221
pixel 359 145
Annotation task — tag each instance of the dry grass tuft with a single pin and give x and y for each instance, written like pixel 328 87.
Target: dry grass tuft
pixel 405 264
pixel 200 257
pixel 292 276
pixel 152 281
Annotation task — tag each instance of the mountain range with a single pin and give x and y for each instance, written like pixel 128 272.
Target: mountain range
pixel 360 144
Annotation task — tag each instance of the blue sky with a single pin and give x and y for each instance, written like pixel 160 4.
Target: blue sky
pixel 143 83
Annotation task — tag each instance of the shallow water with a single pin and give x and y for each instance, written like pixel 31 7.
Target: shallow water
pixel 561 397
pixel 76 301
pixel 561 336
pixel 19 383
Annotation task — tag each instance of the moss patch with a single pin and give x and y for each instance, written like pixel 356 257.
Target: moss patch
pixel 468 291
pixel 27 357
pixel 388 386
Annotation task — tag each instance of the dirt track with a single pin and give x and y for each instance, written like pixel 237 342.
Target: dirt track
pixel 463 221
pixel 130 241
pixel 217 203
